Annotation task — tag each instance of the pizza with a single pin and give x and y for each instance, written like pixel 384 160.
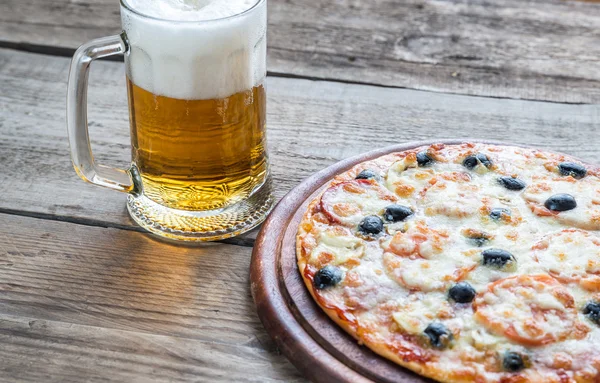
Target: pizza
pixel 464 263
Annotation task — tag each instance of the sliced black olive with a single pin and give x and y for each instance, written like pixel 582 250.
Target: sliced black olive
pixel 423 159
pixel 592 311
pixel 368 174
pixel 561 202
pixel 572 169
pixel 497 213
pixel 472 161
pixel 462 292
pixel 513 361
pixel 328 276
pixel 511 183
pixel 439 336
pixel 396 213
pixel 371 224
pixel 476 237
pixel 497 258
pixel 485 160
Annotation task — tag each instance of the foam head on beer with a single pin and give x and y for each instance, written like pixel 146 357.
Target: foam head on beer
pixel 195 49
pixel 191 10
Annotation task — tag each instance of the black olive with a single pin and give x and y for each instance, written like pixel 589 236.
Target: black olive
pixel 479 241
pixel 511 183
pixel 592 311
pixel 328 276
pixel 423 159
pixel 513 361
pixel 485 160
pixel 396 213
pixel 561 202
pixel 438 334
pixel 497 213
pixel 572 169
pixel 476 237
pixel 371 224
pixel 462 292
pixel 472 161
pixel 497 258
pixel 368 174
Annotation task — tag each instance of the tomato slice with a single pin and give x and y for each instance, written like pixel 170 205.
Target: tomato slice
pixel 347 203
pixel 532 310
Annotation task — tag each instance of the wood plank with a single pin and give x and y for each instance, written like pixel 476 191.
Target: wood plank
pixel 35 350
pixel 541 49
pixel 72 307
pixel 311 124
pixel 69 273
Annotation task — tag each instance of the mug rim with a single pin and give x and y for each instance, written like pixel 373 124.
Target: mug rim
pixel 126 5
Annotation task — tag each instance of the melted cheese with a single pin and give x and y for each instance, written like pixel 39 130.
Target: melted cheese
pixel 455 198
pixel 570 254
pixel 587 192
pixel 401 282
pixel 418 313
pixel 526 311
pixel 342 248
pixel 351 202
pixel 405 179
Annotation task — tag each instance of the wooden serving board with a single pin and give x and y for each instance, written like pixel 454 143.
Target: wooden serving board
pixel 305 334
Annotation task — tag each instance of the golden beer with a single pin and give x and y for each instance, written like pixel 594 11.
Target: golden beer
pixel 195 73
pixel 199 154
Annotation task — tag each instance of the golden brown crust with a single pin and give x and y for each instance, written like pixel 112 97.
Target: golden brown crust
pixel 401 347
pixel 377 347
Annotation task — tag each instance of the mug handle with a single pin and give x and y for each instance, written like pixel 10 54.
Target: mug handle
pixel 77 122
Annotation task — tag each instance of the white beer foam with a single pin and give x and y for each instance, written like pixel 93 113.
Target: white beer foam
pixel 191 10
pixel 213 50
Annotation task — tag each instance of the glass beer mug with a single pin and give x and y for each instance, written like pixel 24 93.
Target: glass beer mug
pixel 197 110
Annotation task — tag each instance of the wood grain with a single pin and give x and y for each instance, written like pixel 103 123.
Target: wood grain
pixel 541 50
pixel 73 308
pixel 537 50
pixel 36 350
pixel 311 124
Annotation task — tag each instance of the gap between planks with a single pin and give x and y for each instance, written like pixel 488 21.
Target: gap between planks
pixel 68 52
pixel 236 241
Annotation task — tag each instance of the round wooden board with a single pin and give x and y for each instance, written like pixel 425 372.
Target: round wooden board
pixel 320 349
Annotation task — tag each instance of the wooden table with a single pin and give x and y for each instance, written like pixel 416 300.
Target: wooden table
pixel 86 296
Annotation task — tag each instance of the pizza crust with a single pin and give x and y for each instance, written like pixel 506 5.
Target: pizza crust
pixel 365 309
